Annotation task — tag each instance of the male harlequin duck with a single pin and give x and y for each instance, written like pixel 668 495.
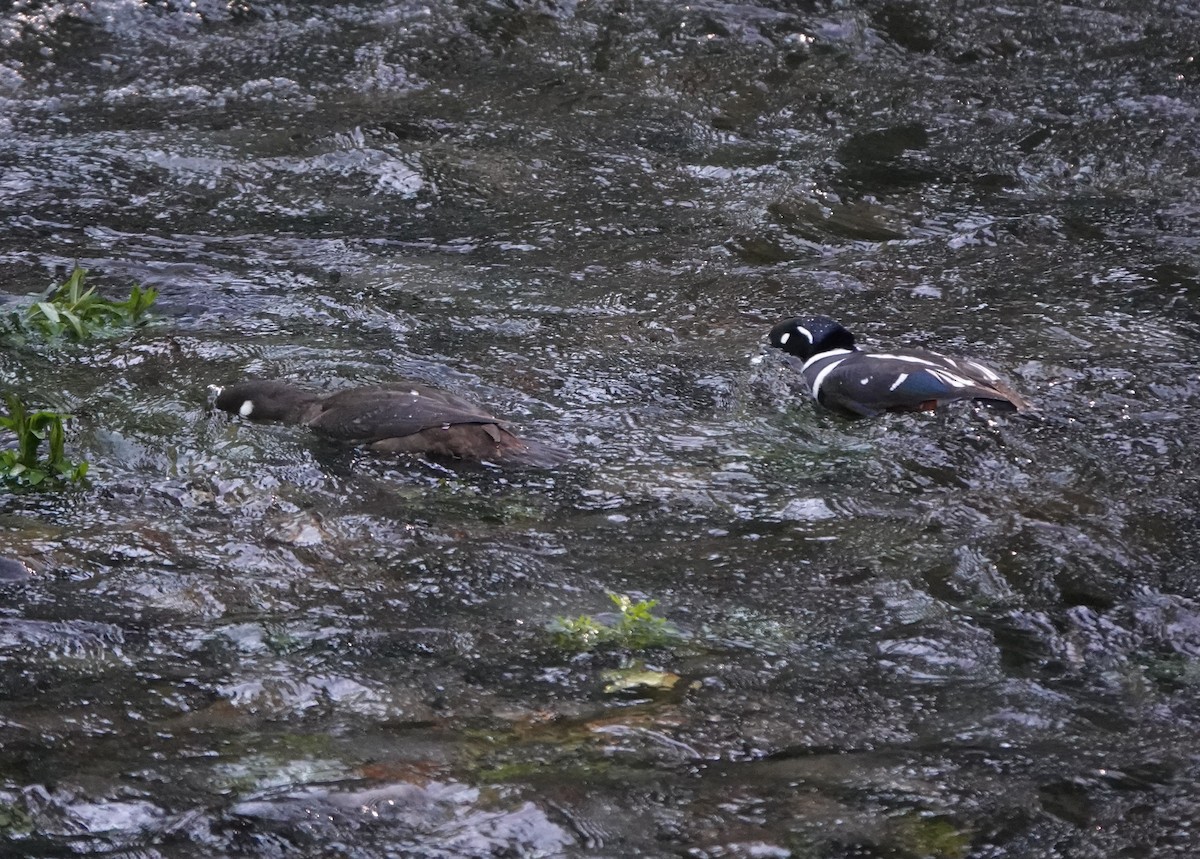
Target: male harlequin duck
pixel 397 418
pixel 863 384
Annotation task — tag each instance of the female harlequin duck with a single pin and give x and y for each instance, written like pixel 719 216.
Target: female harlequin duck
pixel 397 418
pixel 863 384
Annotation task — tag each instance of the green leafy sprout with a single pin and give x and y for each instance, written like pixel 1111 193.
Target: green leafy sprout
pixel 633 627
pixel 73 311
pixel 22 466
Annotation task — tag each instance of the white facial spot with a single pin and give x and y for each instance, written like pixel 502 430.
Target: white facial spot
pixel 800 329
pixel 247 408
pixel 899 381
pixel 785 337
pixel 864 381
pixel 415 393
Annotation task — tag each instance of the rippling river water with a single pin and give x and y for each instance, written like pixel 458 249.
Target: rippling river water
pixel 962 634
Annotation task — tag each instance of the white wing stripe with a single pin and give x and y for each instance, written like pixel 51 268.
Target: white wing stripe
pixel 988 373
pixel 973 366
pixel 912 359
pixel 951 379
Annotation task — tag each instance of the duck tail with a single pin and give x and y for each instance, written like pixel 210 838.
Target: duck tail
pixel 1002 394
pixel 1022 405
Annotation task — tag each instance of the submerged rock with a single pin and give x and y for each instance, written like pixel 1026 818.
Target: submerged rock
pixel 13 571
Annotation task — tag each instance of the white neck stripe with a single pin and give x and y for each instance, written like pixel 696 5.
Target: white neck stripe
pixel 816 383
pixel 822 355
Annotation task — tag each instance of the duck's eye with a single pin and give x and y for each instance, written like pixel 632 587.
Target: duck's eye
pixel 247 408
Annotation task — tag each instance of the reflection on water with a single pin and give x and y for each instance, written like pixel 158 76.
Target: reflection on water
pixel 949 635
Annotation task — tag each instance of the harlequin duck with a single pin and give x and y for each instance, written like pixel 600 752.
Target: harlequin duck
pixel 397 418
pixel 863 384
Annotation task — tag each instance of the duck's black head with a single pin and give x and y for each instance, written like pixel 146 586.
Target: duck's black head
pixel 265 400
pixel 805 337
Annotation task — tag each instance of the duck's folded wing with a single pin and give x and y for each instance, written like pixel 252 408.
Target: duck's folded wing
pixel 924 388
pixel 393 411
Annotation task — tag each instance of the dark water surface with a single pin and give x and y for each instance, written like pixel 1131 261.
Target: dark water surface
pixel 956 635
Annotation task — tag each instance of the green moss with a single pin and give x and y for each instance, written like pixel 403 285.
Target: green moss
pixel 932 837
pixel 281 640
pixel 637 678
pixel 1173 670
pixel 14 821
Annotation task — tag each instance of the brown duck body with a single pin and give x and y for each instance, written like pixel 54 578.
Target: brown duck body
pixel 397 418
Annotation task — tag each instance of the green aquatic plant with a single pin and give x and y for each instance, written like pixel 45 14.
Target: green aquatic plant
pixel 23 465
pixel 73 311
pixel 635 626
